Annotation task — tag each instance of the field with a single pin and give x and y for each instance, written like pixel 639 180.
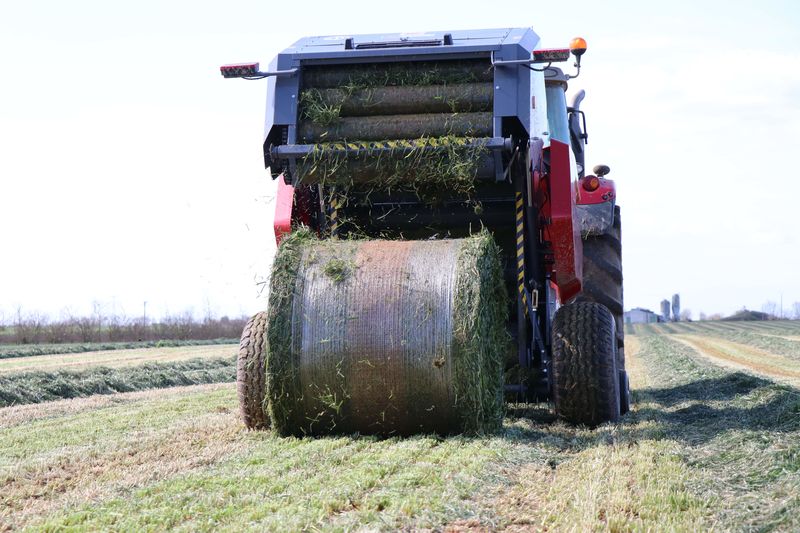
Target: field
pixel 713 442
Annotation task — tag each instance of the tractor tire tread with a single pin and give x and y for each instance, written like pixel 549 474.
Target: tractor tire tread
pixel 602 277
pixel 585 377
pixel 251 373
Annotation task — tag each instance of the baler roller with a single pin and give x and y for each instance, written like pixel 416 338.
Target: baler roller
pixel 462 97
pixel 382 149
pixel 398 74
pixel 377 161
pixel 393 127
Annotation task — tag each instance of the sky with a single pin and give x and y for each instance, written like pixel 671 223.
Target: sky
pixel 132 172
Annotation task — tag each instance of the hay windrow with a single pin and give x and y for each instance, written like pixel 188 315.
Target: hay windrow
pixel 43 386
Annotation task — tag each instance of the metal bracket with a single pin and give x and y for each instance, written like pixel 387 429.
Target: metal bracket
pixel 261 75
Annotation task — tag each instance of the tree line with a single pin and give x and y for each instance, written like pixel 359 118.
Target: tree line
pixel 37 328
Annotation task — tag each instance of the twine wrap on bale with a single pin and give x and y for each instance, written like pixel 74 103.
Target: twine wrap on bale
pixel 386 337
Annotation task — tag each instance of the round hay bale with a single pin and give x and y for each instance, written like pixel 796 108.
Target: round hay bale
pixel 386 337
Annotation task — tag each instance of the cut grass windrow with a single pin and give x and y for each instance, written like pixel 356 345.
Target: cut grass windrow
pixel 115 358
pixel 39 386
pixel 25 350
pixel 744 357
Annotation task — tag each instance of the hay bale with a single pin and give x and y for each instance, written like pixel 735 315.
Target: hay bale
pixel 386 337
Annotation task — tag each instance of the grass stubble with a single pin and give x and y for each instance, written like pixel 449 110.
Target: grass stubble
pixel 704 448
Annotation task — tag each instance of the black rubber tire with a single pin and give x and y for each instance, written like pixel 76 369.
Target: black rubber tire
pixel 602 276
pixel 624 392
pixel 251 373
pixel 585 379
pixel 602 282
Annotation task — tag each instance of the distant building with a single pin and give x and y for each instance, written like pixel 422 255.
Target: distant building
pixel 676 307
pixel 665 310
pixel 640 316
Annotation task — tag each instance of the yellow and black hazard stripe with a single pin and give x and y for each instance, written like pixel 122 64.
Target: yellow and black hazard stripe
pixel 520 205
pixel 334 214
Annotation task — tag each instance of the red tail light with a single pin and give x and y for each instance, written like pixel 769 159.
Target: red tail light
pixel 550 55
pixel 239 70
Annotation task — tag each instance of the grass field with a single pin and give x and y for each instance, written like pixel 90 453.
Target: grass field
pixel 713 442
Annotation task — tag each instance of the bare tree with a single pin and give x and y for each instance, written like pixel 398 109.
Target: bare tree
pixel 703 316
pixel 770 308
pixel 796 310
pixel 686 315
pixel 28 327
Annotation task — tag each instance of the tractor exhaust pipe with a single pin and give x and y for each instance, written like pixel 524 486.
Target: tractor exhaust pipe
pixel 577 131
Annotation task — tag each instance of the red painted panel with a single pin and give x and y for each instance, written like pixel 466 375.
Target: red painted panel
pixel 283 210
pixel 563 231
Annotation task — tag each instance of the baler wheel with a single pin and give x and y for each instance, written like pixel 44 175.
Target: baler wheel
pixel 602 283
pixel 585 377
pixel 251 372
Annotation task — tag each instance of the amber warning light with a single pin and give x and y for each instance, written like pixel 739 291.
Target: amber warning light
pixel 239 70
pixel 577 46
pixel 591 183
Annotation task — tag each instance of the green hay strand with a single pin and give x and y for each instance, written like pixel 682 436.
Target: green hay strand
pixel 282 379
pixel 338 269
pixel 480 337
pixel 430 166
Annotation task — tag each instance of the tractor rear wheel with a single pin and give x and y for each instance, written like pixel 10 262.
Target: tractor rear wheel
pixel 251 385
pixel 586 388
pixel 602 283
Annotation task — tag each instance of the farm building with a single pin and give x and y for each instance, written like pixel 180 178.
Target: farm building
pixel 640 315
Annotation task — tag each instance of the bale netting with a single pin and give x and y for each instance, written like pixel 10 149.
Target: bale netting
pixel 386 337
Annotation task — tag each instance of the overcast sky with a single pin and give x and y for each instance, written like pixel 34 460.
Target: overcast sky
pixel 131 171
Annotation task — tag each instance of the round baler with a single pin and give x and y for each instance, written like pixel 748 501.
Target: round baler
pixel 430 263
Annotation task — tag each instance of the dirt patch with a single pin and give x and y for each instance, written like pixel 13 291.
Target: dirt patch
pixel 633 364
pixel 742 357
